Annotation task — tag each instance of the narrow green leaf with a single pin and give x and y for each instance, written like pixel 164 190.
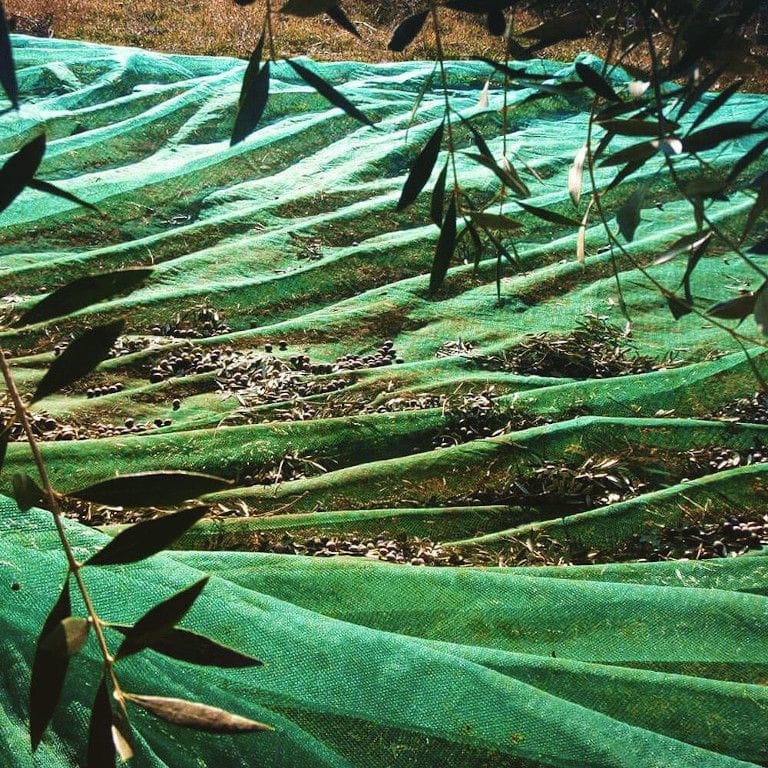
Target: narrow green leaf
pixel 421 169
pixel 101 747
pixel 185 645
pixel 336 13
pixel 66 637
pixel 151 489
pixel 738 308
pixel 495 221
pixel 437 200
pixel 52 189
pixel 405 33
pixel 628 215
pixel 192 714
pixel 158 620
pixel 636 153
pixel 709 138
pixel 761 309
pixel 7 67
pixel 328 91
pixel 18 170
pixel 546 215
pixel 146 538
pixel 306 8
pixel 48 672
pixel 687 243
pixel 446 245
pixel 595 82
pixel 749 157
pixel 717 102
pixel 507 179
pixel 79 358
pixel 27 492
pixel 84 292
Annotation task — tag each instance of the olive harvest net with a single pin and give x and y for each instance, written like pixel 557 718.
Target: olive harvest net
pixel 287 341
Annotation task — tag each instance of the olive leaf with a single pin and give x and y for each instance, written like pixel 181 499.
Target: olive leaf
pixel 151 489
pixel 52 189
pixel 677 306
pixel 738 308
pixel 146 538
pixel 328 91
pixel 495 221
pixel 421 169
pixel 84 292
pixel 628 215
pixel 760 204
pixel 7 67
pixel 681 245
pixel 568 26
pixel 698 90
pixel 336 13
pixel 48 672
pixel 158 620
pixel 437 199
pixel 27 492
pixel 101 747
pixel 79 358
pixel 185 645
pixel 5 436
pixel 718 101
pixel 761 309
pixel 496 23
pixel 638 153
pixel 512 181
pixel 595 82
pixel 709 138
pixel 575 175
pixel 66 637
pixel 253 95
pixel 635 127
pixel 192 714
pixel 19 168
pixel 306 8
pixel 546 215
pixel 446 245
pixel 480 142
pixel 749 157
pixel 405 33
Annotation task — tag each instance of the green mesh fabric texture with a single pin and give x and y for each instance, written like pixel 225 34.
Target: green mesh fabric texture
pixel 292 236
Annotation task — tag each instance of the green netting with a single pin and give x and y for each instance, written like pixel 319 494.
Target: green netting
pixel 292 236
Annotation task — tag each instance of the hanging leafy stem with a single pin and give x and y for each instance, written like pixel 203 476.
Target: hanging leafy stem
pixel 64 635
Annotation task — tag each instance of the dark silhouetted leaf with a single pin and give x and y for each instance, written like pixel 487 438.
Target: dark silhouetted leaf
pixel 506 178
pixel 695 252
pixel 761 309
pixel 84 292
pixel 101 747
pixel 336 12
pixel 151 489
pixel 575 175
pixel 734 309
pixel 306 8
pixel 158 620
pixel 698 90
pixel 192 714
pixel 760 204
pixel 637 153
pixel 626 171
pixel 421 169
pixel 7 67
pixel 66 637
pixel 480 142
pixel 677 306
pixel 496 23
pixel 79 358
pixel 595 82
pixel 253 96
pixel 477 245
pixel 633 127
pixel 687 243
pixel 254 64
pixel 760 247
pixel 547 215
pixel 438 197
pixel 749 157
pixel 146 538
pixel 568 26
pixel 503 68
pixel 328 91
pixel 628 215
pixel 48 672
pixel 717 102
pixel 27 492
pixel 495 221
pixel 709 138
pixel 404 35
pixel 52 189
pixel 477 6
pixel 184 645
pixel 18 170
pixel 446 245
